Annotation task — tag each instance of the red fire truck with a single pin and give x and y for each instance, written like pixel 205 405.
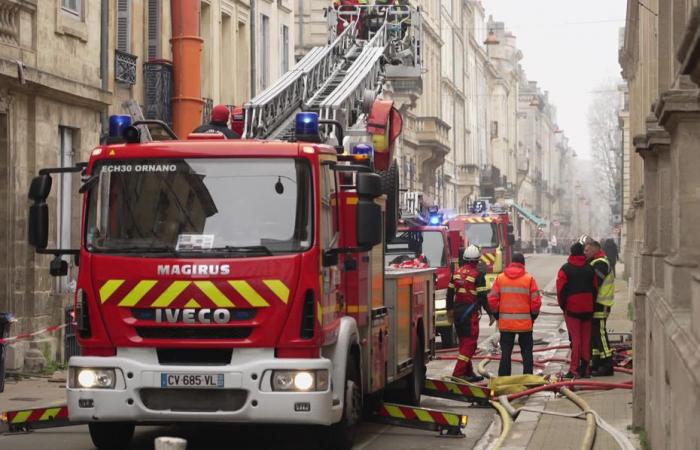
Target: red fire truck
pixel 488 227
pixel 244 280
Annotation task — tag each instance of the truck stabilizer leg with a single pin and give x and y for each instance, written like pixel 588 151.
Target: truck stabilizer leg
pixel 26 420
pixel 444 422
pixel 457 390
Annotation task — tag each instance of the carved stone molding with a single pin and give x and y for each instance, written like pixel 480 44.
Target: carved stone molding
pixel 9 22
pixel 5 100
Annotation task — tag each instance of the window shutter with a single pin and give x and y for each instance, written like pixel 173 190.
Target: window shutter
pixel 124 25
pixel 154 21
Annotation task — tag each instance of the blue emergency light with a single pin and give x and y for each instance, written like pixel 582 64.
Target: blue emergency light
pixel 306 124
pixel 117 125
pixel 362 149
pixel 435 220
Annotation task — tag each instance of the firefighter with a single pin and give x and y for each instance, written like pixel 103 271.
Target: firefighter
pixel 515 301
pixel 466 295
pixel 576 295
pixel 218 123
pixel 602 365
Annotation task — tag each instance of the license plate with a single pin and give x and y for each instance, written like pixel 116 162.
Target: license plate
pixel 192 380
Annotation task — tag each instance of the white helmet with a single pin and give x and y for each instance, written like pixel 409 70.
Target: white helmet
pixel 471 253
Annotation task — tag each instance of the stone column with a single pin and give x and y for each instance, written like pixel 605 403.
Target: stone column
pixel 679 113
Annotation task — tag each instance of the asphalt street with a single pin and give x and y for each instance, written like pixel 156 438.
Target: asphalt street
pixel 371 436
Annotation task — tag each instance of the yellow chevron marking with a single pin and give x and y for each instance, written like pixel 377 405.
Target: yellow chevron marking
pixel 22 416
pixel 50 413
pixel 319 312
pixel 280 289
pixel 169 295
pixel 430 385
pixel 453 388
pixel 423 415
pixel 248 293
pixel 108 289
pixel 452 419
pixel 394 411
pixel 477 392
pixel 192 303
pixel 137 293
pixel 214 294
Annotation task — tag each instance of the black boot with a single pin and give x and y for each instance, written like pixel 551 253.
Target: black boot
pixel 605 369
pixel 583 369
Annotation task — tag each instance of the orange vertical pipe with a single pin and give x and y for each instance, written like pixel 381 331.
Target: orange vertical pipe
pixel 187 54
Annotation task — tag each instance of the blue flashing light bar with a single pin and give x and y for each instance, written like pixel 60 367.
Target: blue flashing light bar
pixel 306 124
pixel 362 149
pixel 117 125
pixel 434 220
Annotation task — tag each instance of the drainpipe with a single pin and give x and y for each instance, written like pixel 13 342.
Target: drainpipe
pixel 253 49
pixel 187 60
pixel 104 58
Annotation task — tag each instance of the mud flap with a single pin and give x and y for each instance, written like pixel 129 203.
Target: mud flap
pixel 444 422
pixel 459 390
pixel 26 420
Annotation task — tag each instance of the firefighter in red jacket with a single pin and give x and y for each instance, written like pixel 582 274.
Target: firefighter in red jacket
pixel 515 298
pixel 576 295
pixel 466 295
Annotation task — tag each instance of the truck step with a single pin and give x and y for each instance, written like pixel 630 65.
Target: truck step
pixel 444 422
pixel 455 389
pixel 26 420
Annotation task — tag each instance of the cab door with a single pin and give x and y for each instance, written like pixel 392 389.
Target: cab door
pixel 331 303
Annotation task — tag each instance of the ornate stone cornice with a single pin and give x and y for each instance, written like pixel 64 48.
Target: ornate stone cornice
pixel 678 105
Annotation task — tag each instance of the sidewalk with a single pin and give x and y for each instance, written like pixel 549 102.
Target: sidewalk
pixel 533 431
pixel 34 392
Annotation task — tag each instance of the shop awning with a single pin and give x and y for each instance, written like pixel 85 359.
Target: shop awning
pixel 529 215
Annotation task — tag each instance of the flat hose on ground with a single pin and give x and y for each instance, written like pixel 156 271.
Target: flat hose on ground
pixel 589 437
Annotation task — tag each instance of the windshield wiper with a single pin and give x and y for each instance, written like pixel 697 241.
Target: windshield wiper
pixel 133 249
pixel 243 249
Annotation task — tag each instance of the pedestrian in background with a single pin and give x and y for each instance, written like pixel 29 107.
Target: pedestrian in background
pixel 218 123
pixel 576 295
pixel 611 251
pixel 515 301
pixel 466 295
pixel 605 285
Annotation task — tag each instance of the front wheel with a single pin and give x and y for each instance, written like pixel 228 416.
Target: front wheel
pixel 341 436
pixel 111 435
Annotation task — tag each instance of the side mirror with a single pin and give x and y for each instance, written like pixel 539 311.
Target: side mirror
pixel 510 228
pixel 511 239
pixel 369 224
pixel 38 226
pixel 40 188
pixel 369 185
pixel 58 267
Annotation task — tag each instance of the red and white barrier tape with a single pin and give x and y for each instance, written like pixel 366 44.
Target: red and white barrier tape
pixel 30 336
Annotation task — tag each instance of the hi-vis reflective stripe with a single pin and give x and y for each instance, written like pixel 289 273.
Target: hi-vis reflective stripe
pixel 457 391
pixel 514 290
pixel 514 316
pixel 28 416
pixel 488 258
pixel 422 415
pixel 162 294
pixel 477 219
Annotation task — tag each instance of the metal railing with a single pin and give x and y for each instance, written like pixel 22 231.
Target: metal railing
pixel 124 67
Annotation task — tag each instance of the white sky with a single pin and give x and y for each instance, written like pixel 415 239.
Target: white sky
pixel 569 48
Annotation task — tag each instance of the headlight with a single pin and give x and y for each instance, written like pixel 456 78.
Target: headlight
pixel 83 378
pixel 441 304
pixel 300 380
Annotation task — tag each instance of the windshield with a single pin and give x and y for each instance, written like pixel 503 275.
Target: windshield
pixel 482 234
pixel 410 244
pixel 200 206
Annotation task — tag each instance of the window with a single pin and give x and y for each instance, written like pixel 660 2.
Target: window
pixel 327 195
pixel 124 26
pixel 494 129
pixel 154 25
pixel 285 48
pixel 64 201
pixel 73 7
pixel 264 67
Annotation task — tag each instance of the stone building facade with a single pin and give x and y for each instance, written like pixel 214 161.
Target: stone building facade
pixel 51 98
pixel 661 65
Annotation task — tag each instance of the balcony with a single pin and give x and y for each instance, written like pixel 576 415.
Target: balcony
pixel 158 77
pixel 431 135
pixel 125 67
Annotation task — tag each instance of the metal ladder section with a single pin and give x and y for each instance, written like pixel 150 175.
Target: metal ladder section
pixel 277 104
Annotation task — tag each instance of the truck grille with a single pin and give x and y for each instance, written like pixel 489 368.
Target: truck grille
pixel 194 400
pixel 194 332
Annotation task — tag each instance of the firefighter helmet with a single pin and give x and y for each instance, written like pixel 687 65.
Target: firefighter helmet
pixel 472 253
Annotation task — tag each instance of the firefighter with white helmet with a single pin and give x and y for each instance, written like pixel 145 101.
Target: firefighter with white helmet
pixel 466 295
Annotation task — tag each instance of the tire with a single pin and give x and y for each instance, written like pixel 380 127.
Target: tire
pixel 416 382
pixel 341 436
pixel 390 187
pixel 448 337
pixel 111 435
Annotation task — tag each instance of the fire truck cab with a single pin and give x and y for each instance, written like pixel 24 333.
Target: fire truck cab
pixel 488 227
